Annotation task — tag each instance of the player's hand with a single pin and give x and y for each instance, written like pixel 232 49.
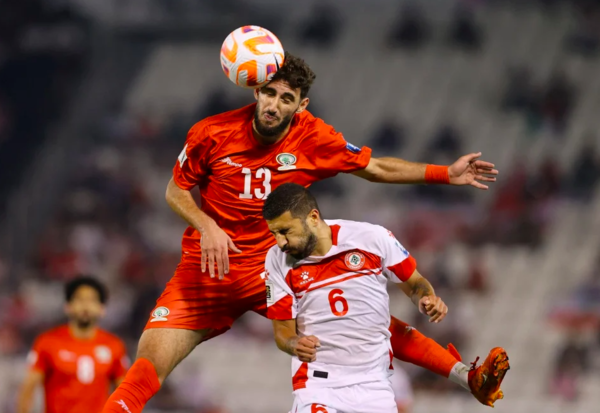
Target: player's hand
pixel 468 170
pixel 215 244
pixel 434 307
pixel 306 348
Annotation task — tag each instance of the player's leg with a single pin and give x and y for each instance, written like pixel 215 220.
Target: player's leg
pixel 159 351
pixel 372 397
pixel 193 308
pixel 411 346
pixel 315 401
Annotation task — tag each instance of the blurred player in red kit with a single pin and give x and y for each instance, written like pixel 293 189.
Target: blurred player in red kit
pixel 76 363
pixel 235 159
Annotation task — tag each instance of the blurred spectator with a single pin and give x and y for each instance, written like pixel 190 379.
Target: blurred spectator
pixel 388 139
pixel 585 173
pixel 446 141
pixel 464 32
pixel 328 187
pixel 477 279
pixel 572 360
pixel 216 102
pixel 322 28
pixel 557 102
pixel 519 93
pixel 545 183
pixel 411 31
pixel 585 37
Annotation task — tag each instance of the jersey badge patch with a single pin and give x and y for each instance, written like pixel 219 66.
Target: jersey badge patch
pixel 352 148
pixel 355 260
pixel 103 354
pixel 269 288
pixel 287 161
pixel 182 156
pixel 160 314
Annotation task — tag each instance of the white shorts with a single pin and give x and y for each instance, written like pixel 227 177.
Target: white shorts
pixel 372 397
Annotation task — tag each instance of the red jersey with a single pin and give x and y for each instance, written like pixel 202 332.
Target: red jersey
pixel 235 173
pixel 78 372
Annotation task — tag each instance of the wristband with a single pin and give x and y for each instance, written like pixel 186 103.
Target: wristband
pixel 437 174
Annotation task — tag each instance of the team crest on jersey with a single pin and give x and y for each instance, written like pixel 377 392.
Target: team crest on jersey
pixel 160 314
pixel 287 161
pixel 103 354
pixel 355 260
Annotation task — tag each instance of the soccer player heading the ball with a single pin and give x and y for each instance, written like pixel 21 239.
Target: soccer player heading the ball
pixel 236 159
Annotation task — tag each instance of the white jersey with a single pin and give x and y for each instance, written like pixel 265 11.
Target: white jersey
pixel 341 299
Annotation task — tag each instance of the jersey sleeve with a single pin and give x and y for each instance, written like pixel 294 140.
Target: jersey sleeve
pixel 334 155
pixel 39 356
pixel 120 363
pixel 192 164
pixel 281 302
pixel 398 265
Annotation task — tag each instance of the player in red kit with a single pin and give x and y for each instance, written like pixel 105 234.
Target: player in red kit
pixel 236 159
pixel 76 363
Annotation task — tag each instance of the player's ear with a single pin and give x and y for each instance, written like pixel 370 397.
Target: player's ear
pixel 313 216
pixel 256 92
pixel 303 104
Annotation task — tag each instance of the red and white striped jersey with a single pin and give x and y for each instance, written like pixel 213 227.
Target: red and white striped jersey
pixel 341 298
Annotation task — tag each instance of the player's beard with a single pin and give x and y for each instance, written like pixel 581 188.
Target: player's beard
pixel 270 131
pixel 307 246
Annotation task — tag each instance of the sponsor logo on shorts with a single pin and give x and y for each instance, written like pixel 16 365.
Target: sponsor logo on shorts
pixel 287 161
pixel 355 260
pixel 160 314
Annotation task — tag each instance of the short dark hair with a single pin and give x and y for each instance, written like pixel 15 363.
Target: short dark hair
pixel 296 73
pixel 289 197
pixel 72 286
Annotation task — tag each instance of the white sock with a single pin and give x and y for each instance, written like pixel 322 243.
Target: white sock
pixel 460 375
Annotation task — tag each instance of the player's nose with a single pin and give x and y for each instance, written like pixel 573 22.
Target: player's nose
pixel 281 241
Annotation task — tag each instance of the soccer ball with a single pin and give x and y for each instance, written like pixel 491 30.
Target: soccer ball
pixel 250 56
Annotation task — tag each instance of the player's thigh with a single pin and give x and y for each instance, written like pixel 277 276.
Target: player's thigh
pixel 250 289
pixel 165 348
pixel 315 401
pixel 194 301
pixel 373 397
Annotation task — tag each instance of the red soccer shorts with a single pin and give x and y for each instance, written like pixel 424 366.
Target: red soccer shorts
pixel 194 301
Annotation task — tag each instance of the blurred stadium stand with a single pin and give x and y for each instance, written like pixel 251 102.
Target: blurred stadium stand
pixel 519 265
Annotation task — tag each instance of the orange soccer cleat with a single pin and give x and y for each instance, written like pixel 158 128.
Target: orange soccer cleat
pixel 486 379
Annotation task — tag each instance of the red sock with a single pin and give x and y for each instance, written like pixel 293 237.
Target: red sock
pixel 411 346
pixel 140 384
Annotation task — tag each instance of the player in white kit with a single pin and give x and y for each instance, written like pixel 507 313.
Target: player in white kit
pixel 326 294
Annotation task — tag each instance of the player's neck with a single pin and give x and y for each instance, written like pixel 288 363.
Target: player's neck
pixel 82 333
pixel 271 140
pixel 324 240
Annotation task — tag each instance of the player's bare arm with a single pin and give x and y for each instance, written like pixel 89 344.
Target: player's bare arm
pixel 215 242
pixel 288 341
pixel 467 170
pixel 33 379
pixel 422 294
